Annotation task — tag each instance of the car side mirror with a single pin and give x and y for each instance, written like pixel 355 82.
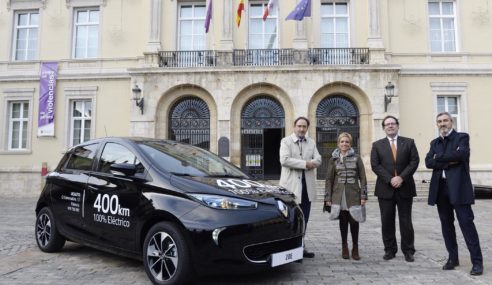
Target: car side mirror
pixel 123 169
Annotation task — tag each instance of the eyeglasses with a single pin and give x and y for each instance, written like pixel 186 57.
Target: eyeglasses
pixel 390 124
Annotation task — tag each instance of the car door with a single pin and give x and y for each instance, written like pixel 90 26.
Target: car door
pixel 68 189
pixel 112 199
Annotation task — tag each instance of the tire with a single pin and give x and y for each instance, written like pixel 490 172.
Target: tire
pixel 47 236
pixel 166 255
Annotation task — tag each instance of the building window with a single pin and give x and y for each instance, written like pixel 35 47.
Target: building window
pixel 334 25
pixel 80 121
pixel 191 23
pixel 86 33
pixel 262 34
pixel 18 125
pixel 442 26
pixel 450 104
pixel 26 35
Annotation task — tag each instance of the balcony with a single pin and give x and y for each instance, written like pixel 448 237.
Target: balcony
pixel 263 57
pixel 338 56
pixel 195 58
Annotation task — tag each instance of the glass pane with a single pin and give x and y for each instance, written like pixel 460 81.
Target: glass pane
pixel 20 55
pixel 16 110
pixel 88 109
pixel 24 135
pixel 342 40
pixel 185 11
pixel 21 44
pixel 342 25
pixel 447 8
pixel 441 104
pixel 21 35
pixel 87 130
pixel 255 42
pixel 436 46
pixel 186 43
pixel 453 105
pixel 34 19
pixel 81 36
pixel 271 41
pixel 82 16
pixel 341 8
pixel 448 24
pixel 77 109
pixel 255 26
pixel 23 19
pixel 94 16
pixel 270 27
pixel 326 9
pixel 199 43
pixel 199 27
pixel 435 35
pixel 435 24
pixel 256 10
pixel 434 8
pixel 449 46
pixel 25 110
pixel 200 11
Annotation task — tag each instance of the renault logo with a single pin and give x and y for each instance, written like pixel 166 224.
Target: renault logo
pixel 283 208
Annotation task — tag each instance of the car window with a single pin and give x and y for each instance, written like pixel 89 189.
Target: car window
pixel 81 157
pixel 116 153
pixel 183 159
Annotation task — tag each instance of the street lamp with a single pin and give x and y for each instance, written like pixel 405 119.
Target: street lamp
pixel 390 89
pixel 136 96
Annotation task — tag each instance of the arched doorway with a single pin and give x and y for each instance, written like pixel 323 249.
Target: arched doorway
pixel 334 115
pixel 189 122
pixel 262 129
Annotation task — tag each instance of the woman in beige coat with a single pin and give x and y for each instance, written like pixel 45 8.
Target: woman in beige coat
pixel 345 170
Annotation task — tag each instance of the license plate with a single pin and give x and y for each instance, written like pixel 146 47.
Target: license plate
pixel 287 256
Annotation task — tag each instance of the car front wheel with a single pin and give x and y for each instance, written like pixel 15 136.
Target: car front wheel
pixel 166 255
pixel 47 236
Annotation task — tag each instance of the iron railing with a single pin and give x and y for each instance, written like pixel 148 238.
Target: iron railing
pixel 338 56
pixel 263 57
pixel 195 58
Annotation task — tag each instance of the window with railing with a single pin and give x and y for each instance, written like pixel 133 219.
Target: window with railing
pixel 335 25
pixel 263 34
pixel 191 31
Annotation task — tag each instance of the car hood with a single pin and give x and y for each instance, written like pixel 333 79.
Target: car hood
pixel 246 188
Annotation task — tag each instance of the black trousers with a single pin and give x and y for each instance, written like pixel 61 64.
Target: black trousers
pixel 387 208
pixel 465 216
pixel 305 203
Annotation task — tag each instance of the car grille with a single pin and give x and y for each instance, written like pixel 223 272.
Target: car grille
pixel 259 253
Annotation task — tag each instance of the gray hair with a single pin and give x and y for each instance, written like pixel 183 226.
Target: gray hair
pixel 444 113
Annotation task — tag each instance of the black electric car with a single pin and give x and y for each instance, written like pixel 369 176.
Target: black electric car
pixel 179 208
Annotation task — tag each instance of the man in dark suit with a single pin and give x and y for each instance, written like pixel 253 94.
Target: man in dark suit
pixel 395 159
pixel 451 189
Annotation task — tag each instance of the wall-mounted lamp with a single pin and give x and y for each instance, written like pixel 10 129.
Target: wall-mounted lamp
pixel 390 89
pixel 136 96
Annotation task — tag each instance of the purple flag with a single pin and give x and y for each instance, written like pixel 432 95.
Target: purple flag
pixel 209 16
pixel 47 92
pixel 303 9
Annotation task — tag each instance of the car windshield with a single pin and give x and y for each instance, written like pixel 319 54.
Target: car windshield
pixel 187 160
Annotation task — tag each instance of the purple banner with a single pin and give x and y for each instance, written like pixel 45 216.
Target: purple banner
pixel 47 92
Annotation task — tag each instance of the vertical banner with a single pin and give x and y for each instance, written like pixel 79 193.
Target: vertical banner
pixel 47 92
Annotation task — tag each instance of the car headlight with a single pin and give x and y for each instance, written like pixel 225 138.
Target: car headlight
pixel 225 203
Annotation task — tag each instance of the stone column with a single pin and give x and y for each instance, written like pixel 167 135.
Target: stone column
pixel 226 42
pixel 154 43
pixel 375 41
pixel 300 39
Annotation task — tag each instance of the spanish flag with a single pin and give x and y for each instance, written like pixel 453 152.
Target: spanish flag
pixel 240 9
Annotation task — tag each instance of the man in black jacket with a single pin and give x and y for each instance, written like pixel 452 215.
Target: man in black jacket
pixel 451 189
pixel 395 159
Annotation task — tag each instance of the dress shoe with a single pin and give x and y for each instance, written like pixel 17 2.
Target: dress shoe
pixel 389 255
pixel 477 269
pixel 307 254
pixel 409 257
pixel 355 252
pixel 450 265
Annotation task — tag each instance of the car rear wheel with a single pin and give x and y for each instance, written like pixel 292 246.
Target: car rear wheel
pixel 166 255
pixel 47 236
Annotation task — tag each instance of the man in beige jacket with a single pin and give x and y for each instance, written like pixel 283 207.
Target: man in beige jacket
pixel 299 157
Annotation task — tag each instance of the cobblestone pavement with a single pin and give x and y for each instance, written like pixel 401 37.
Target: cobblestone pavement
pixel 22 263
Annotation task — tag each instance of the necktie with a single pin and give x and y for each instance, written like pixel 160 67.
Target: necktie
pixel 393 149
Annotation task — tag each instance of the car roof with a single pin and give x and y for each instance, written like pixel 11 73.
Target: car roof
pixel 128 140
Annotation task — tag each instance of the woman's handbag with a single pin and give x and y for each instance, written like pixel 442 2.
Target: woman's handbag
pixel 335 211
pixel 326 208
pixel 358 213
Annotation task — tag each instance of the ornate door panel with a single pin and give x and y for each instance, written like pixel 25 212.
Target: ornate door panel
pixel 189 122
